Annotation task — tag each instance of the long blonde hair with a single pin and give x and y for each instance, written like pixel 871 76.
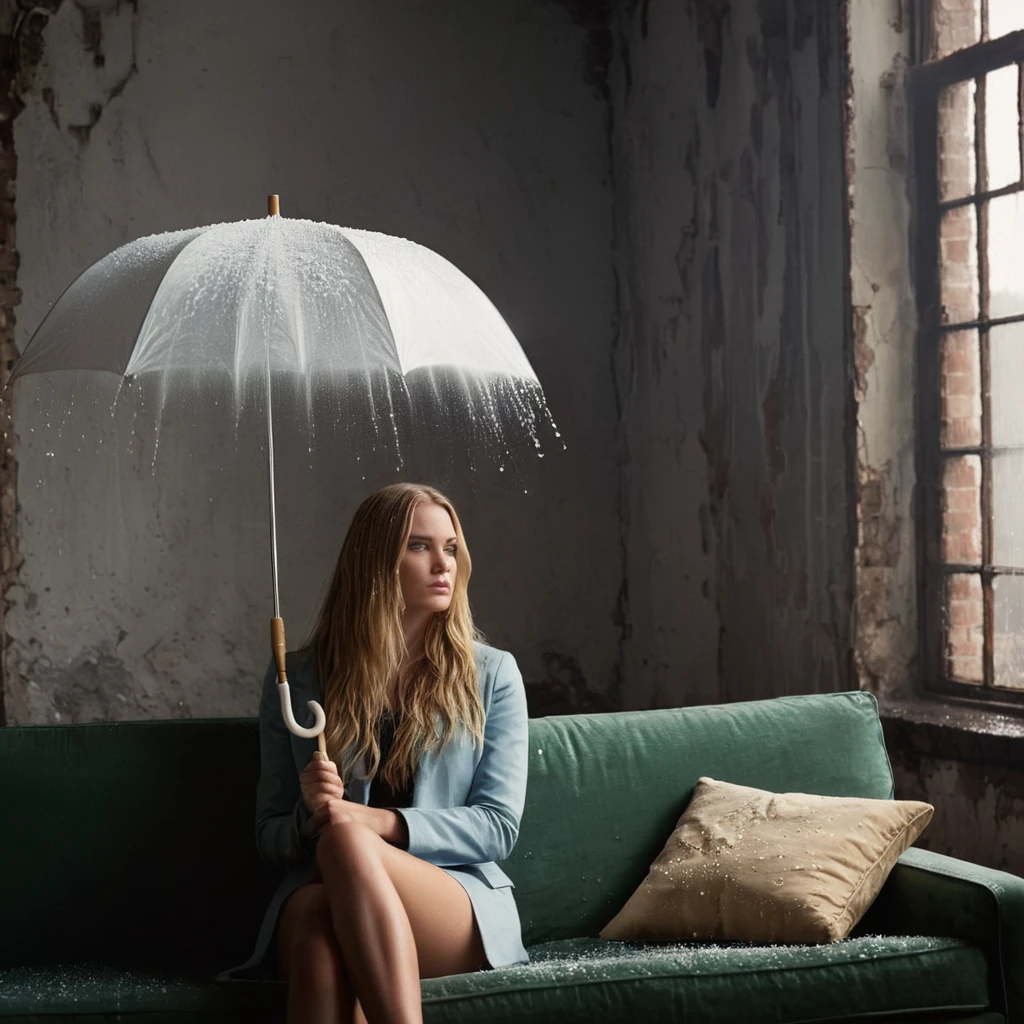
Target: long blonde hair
pixel 359 644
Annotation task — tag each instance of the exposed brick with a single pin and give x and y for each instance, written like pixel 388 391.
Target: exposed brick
pixel 965 613
pixel 958 359
pixel 956 250
pixel 964 616
pixel 966 669
pixel 961 499
pixel 955 24
pixel 961 433
pixel 958 402
pixel 962 587
pixel 962 472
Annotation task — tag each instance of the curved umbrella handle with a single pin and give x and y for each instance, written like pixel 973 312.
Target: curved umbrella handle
pixel 284 692
pixel 277 642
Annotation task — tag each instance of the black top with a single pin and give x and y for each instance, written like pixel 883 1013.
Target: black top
pixel 381 793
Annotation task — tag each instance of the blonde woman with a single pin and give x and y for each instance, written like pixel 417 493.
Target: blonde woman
pixel 389 844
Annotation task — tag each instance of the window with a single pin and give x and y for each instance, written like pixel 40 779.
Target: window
pixel 968 114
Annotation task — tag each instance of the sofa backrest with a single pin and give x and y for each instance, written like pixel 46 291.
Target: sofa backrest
pixel 605 791
pixel 134 841
pixel 130 841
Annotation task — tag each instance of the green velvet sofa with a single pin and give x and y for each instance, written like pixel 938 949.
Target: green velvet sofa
pixel 129 878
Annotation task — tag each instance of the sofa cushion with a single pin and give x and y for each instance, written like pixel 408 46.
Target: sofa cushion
pixel 605 790
pixel 569 980
pixel 593 980
pixel 95 990
pixel 746 864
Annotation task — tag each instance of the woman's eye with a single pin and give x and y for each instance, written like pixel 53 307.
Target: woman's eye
pixel 451 550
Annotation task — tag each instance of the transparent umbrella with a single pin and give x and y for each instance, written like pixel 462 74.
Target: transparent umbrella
pixel 372 319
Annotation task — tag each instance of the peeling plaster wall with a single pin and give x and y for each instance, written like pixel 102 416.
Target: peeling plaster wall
pixel 885 329
pixel 476 129
pixel 735 406
pixel 979 809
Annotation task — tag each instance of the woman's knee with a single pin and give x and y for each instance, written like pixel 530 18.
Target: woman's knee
pixel 350 841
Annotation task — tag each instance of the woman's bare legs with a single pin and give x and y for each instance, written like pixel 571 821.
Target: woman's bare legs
pixel 319 990
pixel 396 919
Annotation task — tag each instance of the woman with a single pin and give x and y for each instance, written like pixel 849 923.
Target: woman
pixel 389 844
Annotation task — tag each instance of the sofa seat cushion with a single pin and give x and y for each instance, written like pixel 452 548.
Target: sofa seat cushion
pixel 567 980
pixel 95 991
pixel 594 980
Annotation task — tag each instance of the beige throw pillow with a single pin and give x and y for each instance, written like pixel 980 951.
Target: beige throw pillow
pixel 747 865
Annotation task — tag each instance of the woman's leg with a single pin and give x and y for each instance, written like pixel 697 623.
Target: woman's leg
pixel 319 991
pixel 397 919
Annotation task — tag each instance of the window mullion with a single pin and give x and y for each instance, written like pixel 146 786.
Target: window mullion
pixel 987 526
pixel 1020 119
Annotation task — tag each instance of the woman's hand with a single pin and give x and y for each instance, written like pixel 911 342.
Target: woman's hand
pixel 320 784
pixel 335 810
pixel 323 793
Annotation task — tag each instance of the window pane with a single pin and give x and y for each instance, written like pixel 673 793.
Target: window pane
pixel 1004 16
pixel 1006 359
pixel 958 271
pixel 1002 146
pixel 957 168
pixel 961 510
pixel 1005 255
pixel 1008 632
pixel 960 383
pixel 963 629
pixel 1007 499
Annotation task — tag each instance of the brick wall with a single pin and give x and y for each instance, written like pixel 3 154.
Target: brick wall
pixel 956 24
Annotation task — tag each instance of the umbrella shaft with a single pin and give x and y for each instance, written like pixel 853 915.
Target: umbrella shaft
pixel 273 505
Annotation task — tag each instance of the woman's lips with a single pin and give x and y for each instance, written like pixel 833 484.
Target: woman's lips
pixel 441 588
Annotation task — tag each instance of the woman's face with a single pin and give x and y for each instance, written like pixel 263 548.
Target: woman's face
pixel 427 569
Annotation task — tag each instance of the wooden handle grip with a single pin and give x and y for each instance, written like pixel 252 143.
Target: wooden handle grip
pixel 278 645
pixel 274 206
pixel 321 744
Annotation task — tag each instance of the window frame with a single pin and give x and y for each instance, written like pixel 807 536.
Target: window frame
pixel 926 82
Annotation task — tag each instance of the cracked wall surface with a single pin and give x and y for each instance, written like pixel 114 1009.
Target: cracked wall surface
pixel 885 331
pixel 979 808
pixel 735 404
pixel 21 27
pixel 478 130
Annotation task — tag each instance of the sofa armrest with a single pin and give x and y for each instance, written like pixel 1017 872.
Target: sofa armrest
pixel 930 894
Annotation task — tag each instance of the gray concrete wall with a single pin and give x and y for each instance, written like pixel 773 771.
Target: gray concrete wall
pixel 476 129
pixel 735 403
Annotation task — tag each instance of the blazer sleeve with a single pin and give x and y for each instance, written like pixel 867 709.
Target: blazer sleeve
pixel 282 818
pixel 487 827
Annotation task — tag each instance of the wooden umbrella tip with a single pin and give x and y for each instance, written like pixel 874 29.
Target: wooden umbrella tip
pixel 274 205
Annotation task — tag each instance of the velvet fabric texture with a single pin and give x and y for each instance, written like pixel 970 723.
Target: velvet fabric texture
pixel 743 864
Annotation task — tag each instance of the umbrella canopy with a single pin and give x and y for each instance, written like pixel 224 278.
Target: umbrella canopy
pixel 270 301
pixel 307 297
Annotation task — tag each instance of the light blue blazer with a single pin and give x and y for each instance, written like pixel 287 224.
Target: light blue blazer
pixel 466 803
